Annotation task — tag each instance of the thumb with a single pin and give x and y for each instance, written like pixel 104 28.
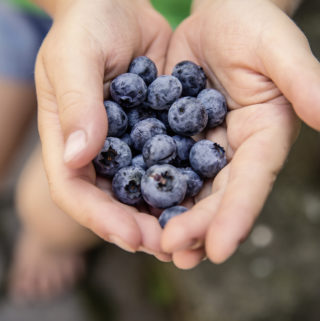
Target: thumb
pixel 77 78
pixel 290 63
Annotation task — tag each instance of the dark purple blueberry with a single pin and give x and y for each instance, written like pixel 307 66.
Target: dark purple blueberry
pixel 139 113
pixel 215 105
pixel 127 139
pixel 126 184
pixel 169 213
pixel 184 145
pixel 138 161
pixel 187 116
pixel 194 181
pixel 144 130
pixel 163 186
pixel 117 119
pixel 160 149
pixel 114 155
pixel 145 68
pixel 128 90
pixel 191 76
pixel 163 92
pixel 207 158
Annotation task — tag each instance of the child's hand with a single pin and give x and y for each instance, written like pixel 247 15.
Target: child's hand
pixel 89 44
pixel 257 56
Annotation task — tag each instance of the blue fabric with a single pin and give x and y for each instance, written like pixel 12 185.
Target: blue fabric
pixel 21 35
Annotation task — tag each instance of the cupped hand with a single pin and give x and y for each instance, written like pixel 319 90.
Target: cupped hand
pixel 89 44
pixel 261 61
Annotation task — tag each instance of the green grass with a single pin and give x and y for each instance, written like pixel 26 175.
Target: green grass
pixel 174 10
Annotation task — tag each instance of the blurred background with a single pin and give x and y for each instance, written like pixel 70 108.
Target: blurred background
pixel 275 275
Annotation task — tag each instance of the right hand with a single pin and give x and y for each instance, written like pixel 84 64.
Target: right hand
pixel 89 44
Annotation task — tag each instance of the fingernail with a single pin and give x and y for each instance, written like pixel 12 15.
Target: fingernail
pixel 76 142
pixel 123 245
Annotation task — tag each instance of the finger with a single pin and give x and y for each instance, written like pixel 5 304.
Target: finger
pixel 150 233
pixel 253 169
pixel 157 49
pixel 179 49
pixel 76 73
pixel 187 231
pixel 289 62
pixel 187 260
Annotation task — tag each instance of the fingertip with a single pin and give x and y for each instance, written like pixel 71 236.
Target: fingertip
pixel 220 243
pixel 188 259
pixel 173 236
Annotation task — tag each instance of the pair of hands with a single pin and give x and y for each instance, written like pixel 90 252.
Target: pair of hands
pixel 250 50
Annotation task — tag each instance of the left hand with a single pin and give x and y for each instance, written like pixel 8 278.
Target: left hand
pixel 261 61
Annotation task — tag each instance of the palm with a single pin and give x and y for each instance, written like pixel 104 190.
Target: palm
pixel 260 129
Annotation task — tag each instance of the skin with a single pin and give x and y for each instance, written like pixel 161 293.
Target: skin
pixel 249 63
pixel 251 66
pixel 70 90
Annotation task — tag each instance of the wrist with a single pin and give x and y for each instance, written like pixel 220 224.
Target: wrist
pixel 54 7
pixel 288 6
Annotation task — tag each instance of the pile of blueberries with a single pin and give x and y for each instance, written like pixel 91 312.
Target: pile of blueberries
pixel 149 152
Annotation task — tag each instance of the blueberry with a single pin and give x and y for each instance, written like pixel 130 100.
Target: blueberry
pixel 126 184
pixel 194 181
pixel 163 92
pixel 117 119
pixel 169 213
pixel 139 113
pixel 128 90
pixel 114 155
pixel 187 116
pixel 160 149
pixel 139 161
pixel 146 129
pixel 145 68
pixel 162 115
pixel 216 106
pixel 191 76
pixel 127 139
pixel 163 186
pixel 184 145
pixel 207 158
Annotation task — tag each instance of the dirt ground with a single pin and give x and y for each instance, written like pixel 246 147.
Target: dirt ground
pixel 274 276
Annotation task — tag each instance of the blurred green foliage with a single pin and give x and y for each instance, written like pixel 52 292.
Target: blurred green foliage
pixel 174 10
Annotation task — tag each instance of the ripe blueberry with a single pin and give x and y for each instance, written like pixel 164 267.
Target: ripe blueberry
pixel 215 105
pixel 145 68
pixel 138 161
pixel 184 145
pixel 207 158
pixel 126 184
pixel 187 116
pixel 128 90
pixel 194 181
pixel 163 92
pixel 139 113
pixel 144 130
pixel 117 119
pixel 191 76
pixel 163 186
pixel 114 155
pixel 169 213
pixel 160 149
